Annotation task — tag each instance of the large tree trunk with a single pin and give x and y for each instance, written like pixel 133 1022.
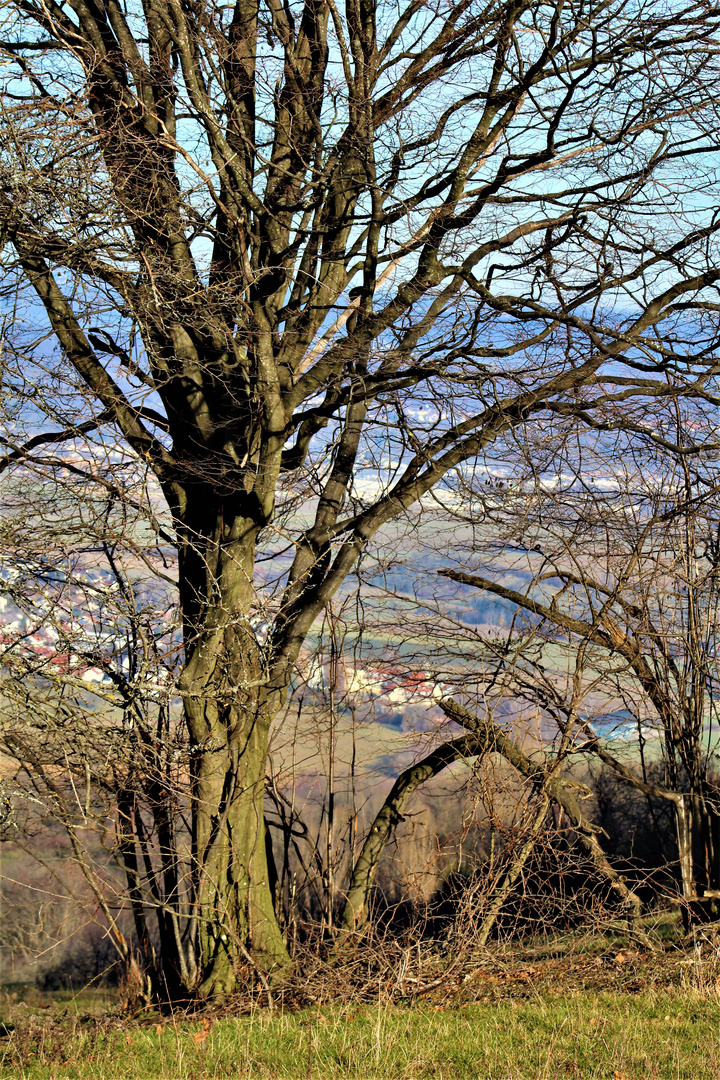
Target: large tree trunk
pixel 228 720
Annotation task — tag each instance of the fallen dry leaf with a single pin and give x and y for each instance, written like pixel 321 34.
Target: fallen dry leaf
pixel 199 1037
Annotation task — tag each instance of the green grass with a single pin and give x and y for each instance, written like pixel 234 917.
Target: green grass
pixel 618 1036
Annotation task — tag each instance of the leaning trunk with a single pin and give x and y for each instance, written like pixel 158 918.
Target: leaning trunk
pixel 228 722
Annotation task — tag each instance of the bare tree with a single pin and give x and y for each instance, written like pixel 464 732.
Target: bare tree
pixel 245 243
pixel 616 566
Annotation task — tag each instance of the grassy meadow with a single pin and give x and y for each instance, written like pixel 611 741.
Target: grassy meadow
pixel 606 1011
pixel 605 1035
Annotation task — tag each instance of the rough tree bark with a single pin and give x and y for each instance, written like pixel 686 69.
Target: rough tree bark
pixel 228 713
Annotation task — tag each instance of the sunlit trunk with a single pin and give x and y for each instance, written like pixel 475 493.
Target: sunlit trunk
pixel 223 696
pixel 698 834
